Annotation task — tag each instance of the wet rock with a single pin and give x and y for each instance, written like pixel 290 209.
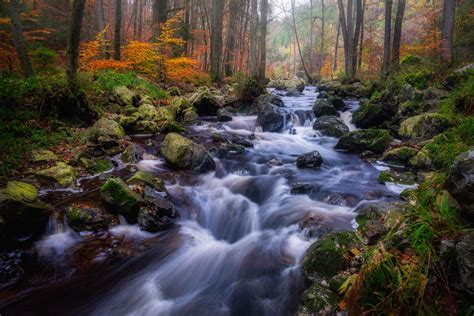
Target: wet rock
pixel 323 95
pixel 262 101
pixel 223 115
pixel 303 188
pixel 331 126
pixel 105 129
pixel 275 162
pixel 183 111
pixel 319 299
pixel 373 140
pixel 149 220
pixel 424 126
pixel 241 141
pixel 225 149
pixel 293 92
pixel 460 182
pixel 116 193
pixel 311 160
pixel 61 174
pixel 371 114
pixel 133 153
pixel 313 226
pixel 323 107
pixel 83 218
pixel 96 166
pixel 465 260
pixel 337 102
pixel 400 156
pixel 43 155
pixel 330 255
pixel 296 84
pixel 304 116
pixel 124 96
pixel 204 102
pixel 182 153
pixel 250 90
pixel 159 201
pixel 142 178
pixel 272 118
pixel 21 211
pixel 406 178
pixel 421 160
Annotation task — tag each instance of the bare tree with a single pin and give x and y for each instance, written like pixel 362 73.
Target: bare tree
pixel 263 40
pixel 118 27
pixel 397 34
pixel 387 40
pixel 308 76
pixel 253 38
pixel 350 33
pixel 73 41
pixel 160 15
pixel 449 7
pixel 229 59
pixel 18 39
pixel 217 12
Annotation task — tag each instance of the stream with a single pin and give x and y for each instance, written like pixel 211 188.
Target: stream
pixel 237 247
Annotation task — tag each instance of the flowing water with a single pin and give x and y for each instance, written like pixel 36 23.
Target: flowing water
pixel 237 246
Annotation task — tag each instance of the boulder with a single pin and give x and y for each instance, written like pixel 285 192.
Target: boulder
pixel 303 188
pixel 204 102
pixel 182 153
pixel 460 182
pixel 372 140
pixel 337 102
pixel 311 160
pixel 96 166
pixel 330 255
pixel 465 261
pixel 142 178
pixel 421 160
pixel 124 96
pixel 174 91
pixel 424 126
pixel 61 174
pixel 400 156
pixel 21 211
pixel 331 126
pixel 320 299
pixel 370 114
pixel 262 101
pixel 313 226
pixel 133 153
pixel 84 218
pixel 43 155
pixel 323 107
pixel 272 118
pixel 156 215
pixel 151 221
pixel 105 129
pixel 223 115
pixel 116 193
pixel 406 178
pixel 250 89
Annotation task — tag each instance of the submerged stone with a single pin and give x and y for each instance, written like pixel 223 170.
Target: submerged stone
pixel 311 160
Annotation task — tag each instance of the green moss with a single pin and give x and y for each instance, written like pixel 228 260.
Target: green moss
pixel 61 174
pixel 419 80
pixel 77 217
pixel 22 191
pixel 117 193
pixel 410 59
pixel 424 126
pixel 404 178
pixel 319 298
pixel 374 140
pixel 143 178
pixel 96 166
pixel 401 155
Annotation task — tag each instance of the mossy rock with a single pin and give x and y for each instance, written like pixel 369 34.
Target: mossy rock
pixel 81 218
pixel 173 127
pixel 43 155
pixel 324 107
pixel 370 114
pixel 61 174
pixel 331 126
pixel 400 156
pixel 373 140
pixel 319 299
pixel 96 166
pixel 105 128
pixel 124 96
pixel 143 178
pixel 21 211
pixel 116 193
pixel 395 177
pixel 204 102
pixel 329 255
pixel 424 126
pixel 182 153
pixel 422 160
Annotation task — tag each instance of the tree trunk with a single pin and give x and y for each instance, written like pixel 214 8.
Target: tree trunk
pixel 229 60
pixel 397 34
pixel 387 40
pixel 118 28
pixel 18 39
pixel 217 12
pixel 338 27
pixel 99 5
pixel 140 20
pixel 361 44
pixel 253 37
pixel 350 34
pixel 73 42
pixel 358 27
pixel 160 15
pixel 448 31
pixel 321 48
pixel 263 40
pixel 308 76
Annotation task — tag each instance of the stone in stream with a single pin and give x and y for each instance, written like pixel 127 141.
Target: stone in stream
pixel 96 166
pixel 372 140
pixel 371 114
pixel 272 118
pixel 204 102
pixel 105 129
pixel 144 179
pixel 331 126
pixel 337 102
pixel 85 218
pixel 182 153
pixel 303 188
pixel 400 156
pixel 61 174
pixel 262 101
pixel 311 160
pixel 460 182
pixel 223 115
pixel 21 211
pixel 133 153
pixel 424 126
pixel 157 212
pixel 323 107
pixel 116 193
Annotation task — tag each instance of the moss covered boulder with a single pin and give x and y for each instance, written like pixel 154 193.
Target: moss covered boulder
pixel 184 111
pixel 124 96
pixel 43 155
pixel 182 153
pixel 83 218
pixel 424 126
pixel 105 129
pixel 331 126
pixel 96 166
pixel 21 210
pixel 370 114
pixel 371 140
pixel 330 255
pixel 319 299
pixel 422 160
pixel 400 156
pixel 460 182
pixel 142 178
pixel 272 118
pixel 324 107
pixel 61 174
pixel 205 103
pixel 116 193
